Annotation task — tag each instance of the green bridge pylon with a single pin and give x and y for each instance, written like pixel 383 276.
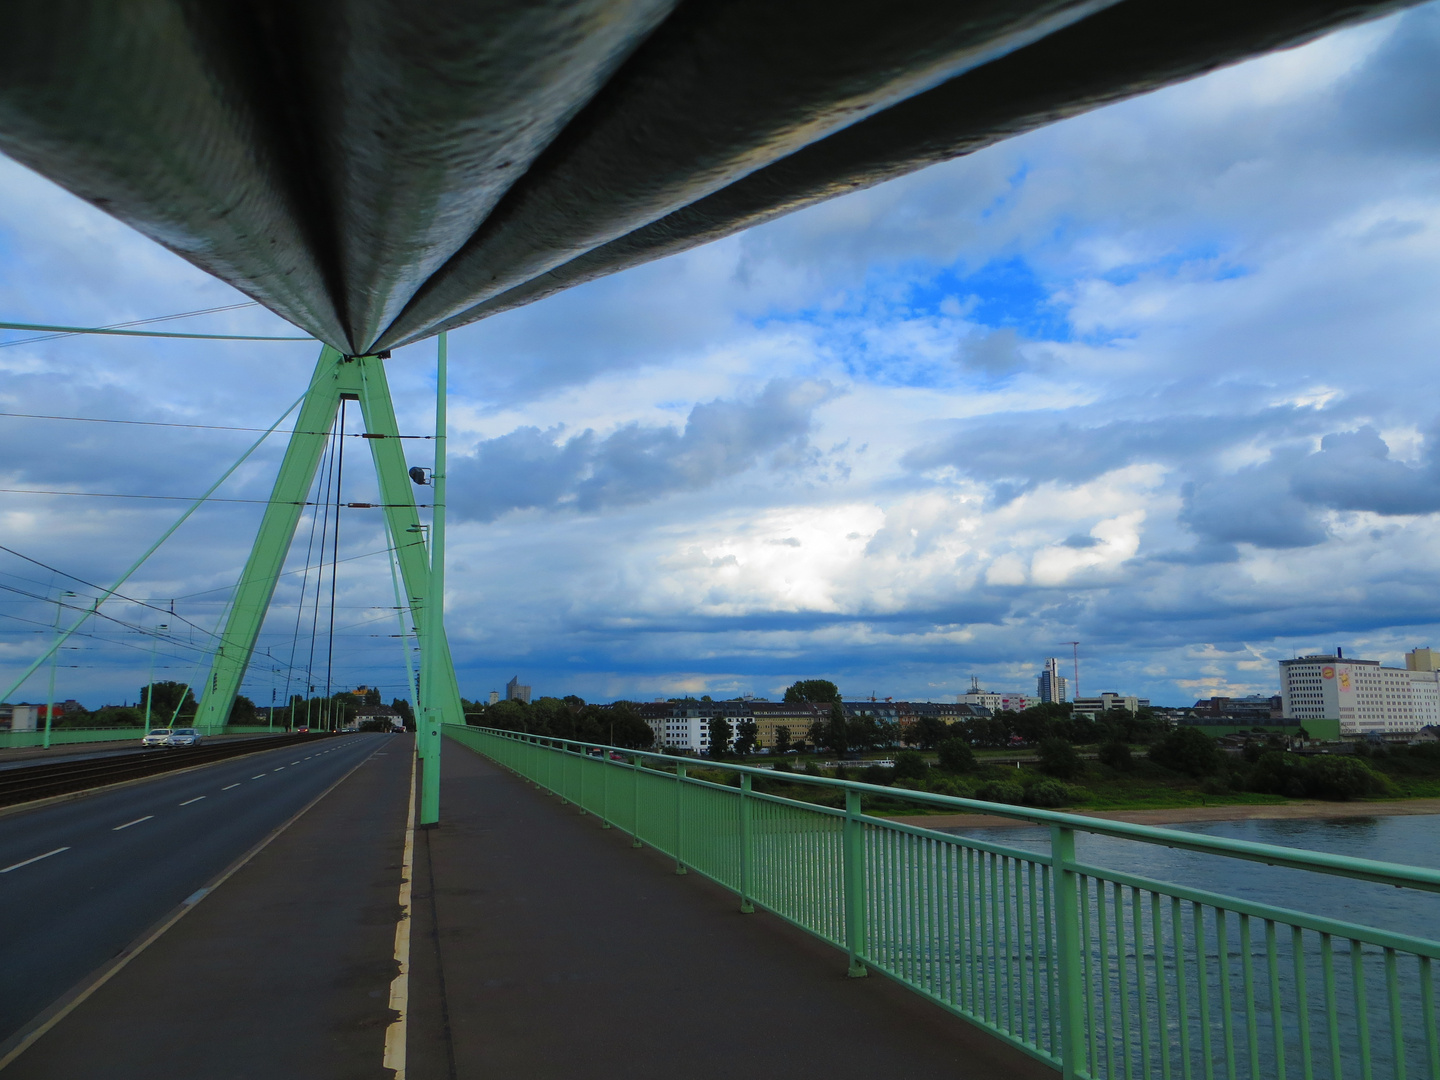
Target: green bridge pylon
pixel 357 378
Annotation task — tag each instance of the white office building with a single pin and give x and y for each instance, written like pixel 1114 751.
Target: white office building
pixel 682 732
pixel 1361 694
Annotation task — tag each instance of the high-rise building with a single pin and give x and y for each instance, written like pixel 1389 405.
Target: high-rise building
pixel 1050 686
pixel 494 696
pixel 1361 694
pixel 515 692
pixel 1422 659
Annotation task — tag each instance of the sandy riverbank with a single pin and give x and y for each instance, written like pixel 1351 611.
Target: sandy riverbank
pixel 1300 808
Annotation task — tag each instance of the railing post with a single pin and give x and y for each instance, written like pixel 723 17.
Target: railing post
pixel 605 789
pixel 583 762
pixel 853 853
pixel 1070 973
pixel 679 818
pixel 635 776
pixel 747 845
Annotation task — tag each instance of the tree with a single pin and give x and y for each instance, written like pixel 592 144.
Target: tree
pixel 719 736
pixel 1058 758
pixel 956 756
pixel 782 739
pixel 910 765
pixel 1188 750
pixel 837 731
pixel 819 690
pixel 929 732
pixel 372 695
pixel 746 736
pixel 401 706
pixel 167 696
pixel 243 711
pixel 817 734
pixel 1116 754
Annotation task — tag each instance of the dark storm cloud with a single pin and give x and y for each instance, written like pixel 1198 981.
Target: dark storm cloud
pixel 1017 453
pixel 530 468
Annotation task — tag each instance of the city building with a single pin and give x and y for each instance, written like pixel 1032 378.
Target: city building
pixel 494 697
pixel 1363 695
pixel 1110 700
pixel 1015 702
pixel 1253 707
pixel 1050 686
pixel 1422 659
pixel 985 699
pixel 515 692
pixel 21 717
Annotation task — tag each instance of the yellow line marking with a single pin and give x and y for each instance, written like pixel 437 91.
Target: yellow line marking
pixel 400 986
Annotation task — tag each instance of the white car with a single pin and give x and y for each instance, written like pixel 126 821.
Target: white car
pixel 158 737
pixel 184 736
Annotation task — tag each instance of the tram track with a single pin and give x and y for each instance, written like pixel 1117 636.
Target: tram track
pixel 31 782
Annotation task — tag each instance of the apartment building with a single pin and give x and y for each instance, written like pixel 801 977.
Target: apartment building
pixel 1363 695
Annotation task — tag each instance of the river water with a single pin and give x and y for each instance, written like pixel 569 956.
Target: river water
pixel 1413 841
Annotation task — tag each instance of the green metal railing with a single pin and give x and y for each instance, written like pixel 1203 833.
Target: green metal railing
pixel 1097 972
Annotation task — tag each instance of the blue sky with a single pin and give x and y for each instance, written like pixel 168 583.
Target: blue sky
pixel 1159 379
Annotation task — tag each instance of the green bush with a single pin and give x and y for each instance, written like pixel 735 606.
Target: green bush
pixel 944 785
pixel 1001 791
pixel 1116 754
pixel 1188 750
pixel 1049 793
pixel 877 774
pixel 956 756
pixel 1278 773
pixel 1058 758
pixel 910 765
pixel 1340 778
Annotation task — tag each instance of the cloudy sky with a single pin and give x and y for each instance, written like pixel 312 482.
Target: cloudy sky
pixel 1158 379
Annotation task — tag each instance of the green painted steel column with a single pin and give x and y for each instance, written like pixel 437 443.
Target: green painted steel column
pixel 397 495
pixel 747 845
pixel 333 374
pixel 853 854
pixel 1073 1032
pixel 432 660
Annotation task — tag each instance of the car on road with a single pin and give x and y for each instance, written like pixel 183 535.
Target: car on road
pixel 184 736
pixel 158 737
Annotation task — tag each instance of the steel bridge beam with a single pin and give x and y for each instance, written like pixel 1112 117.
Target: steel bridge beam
pixel 336 376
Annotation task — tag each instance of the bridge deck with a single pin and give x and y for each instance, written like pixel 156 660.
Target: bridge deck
pixel 543 947
pixel 558 951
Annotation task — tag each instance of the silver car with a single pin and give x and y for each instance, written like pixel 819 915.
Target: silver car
pixel 184 736
pixel 158 737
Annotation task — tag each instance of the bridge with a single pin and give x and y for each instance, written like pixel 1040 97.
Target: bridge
pixel 381 174
pixel 592 911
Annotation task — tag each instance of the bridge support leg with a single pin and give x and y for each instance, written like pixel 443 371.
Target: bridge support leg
pixel 360 378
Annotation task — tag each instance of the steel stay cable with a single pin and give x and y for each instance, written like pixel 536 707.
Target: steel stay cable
pixel 136 322
pixel 115 332
pixel 61 638
pixel 195 427
pixel 335 558
pixel 187 498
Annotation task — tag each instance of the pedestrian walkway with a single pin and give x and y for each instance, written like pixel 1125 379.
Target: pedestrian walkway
pixel 548 948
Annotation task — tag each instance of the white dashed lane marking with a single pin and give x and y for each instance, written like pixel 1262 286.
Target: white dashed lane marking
pixel 137 821
pixel 227 787
pixel 187 802
pixel 37 858
pixel 260 777
pixel 280 769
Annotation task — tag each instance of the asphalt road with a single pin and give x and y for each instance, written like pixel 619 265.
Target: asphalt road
pixel 80 880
